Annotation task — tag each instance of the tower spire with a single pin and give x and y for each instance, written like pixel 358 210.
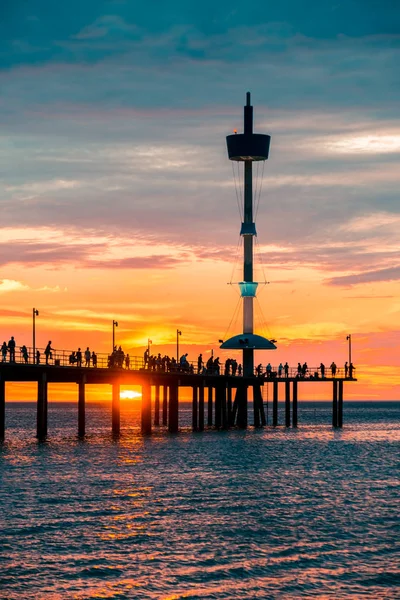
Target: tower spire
pixel 247 148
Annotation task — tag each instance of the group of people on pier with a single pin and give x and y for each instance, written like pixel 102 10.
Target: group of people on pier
pixel 302 371
pixel 210 367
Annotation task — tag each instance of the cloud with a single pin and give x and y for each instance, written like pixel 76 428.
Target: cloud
pixel 11 285
pixel 390 274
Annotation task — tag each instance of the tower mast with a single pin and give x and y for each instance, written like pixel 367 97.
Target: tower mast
pixel 248 147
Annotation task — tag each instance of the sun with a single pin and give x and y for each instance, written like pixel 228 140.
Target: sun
pixel 129 395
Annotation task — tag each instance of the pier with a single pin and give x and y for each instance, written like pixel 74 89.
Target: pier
pixel 218 401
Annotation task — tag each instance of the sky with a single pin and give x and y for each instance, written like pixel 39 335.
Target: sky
pixel 118 199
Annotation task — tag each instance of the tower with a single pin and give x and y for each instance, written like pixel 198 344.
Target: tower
pixel 248 147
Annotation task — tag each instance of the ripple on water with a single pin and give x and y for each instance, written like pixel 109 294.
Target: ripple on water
pixel 311 513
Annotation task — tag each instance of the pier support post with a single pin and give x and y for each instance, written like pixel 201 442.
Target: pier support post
pixel 116 409
pixel 242 407
pixel 275 405
pixel 2 409
pixel 229 404
pixel 218 406
pixel 340 405
pixel 294 421
pixel 41 421
pixel 157 406
pixel 287 403
pixel 81 407
pixel 210 406
pixel 201 406
pixel 173 421
pixel 165 405
pixel 146 408
pixel 334 405
pixel 256 406
pixel 194 408
pixel 224 407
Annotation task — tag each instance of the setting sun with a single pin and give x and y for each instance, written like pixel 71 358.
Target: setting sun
pixel 129 395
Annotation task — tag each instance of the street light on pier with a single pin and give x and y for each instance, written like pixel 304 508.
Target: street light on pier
pixel 348 338
pixel 115 324
pixel 178 333
pixel 149 342
pixel 35 313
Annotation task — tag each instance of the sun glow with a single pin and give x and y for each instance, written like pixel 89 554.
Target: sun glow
pixel 129 395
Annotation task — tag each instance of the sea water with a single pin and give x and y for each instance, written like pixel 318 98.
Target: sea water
pixel 272 513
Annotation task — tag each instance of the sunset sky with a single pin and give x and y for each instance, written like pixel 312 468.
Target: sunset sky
pixel 118 199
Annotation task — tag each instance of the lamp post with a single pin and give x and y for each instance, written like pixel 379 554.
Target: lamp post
pixel 35 313
pixel 348 338
pixel 178 333
pixel 149 342
pixel 115 324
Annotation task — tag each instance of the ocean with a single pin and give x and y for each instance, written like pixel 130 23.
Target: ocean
pixel 271 513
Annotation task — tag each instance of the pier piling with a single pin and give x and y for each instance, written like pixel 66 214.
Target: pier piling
pixel 275 404
pixel 287 403
pixel 173 421
pixel 340 404
pixel 201 406
pixel 334 405
pixel 41 420
pixel 116 408
pixel 194 408
pixel 2 409
pixel 165 405
pixel 294 419
pixel 210 407
pixel 81 407
pixel 157 406
pixel 146 408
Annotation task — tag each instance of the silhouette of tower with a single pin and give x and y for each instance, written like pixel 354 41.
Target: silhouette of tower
pixel 248 147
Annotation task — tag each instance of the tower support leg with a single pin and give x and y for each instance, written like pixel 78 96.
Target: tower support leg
pixel 340 404
pixel 116 408
pixel 157 406
pixel 201 406
pixel 165 405
pixel 41 421
pixel 81 407
pixel 334 405
pixel 295 403
pixel 173 421
pixel 275 405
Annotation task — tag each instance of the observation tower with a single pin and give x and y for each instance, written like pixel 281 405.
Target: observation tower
pixel 248 147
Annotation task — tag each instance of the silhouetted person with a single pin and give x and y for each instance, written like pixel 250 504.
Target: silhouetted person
pixel 351 369
pixel 94 359
pixel 24 352
pixel 210 365
pixel 216 366
pixel 286 369
pixel 4 352
pixel 199 363
pixel 79 358
pixel 228 366
pixel 87 357
pixel 333 369
pixel 280 369
pixel 37 357
pixel 239 369
pixel 47 352
pixel 72 358
pixel 127 361
pixel 259 370
pixel 146 357
pixel 299 370
pixel 346 369
pixel 234 366
pixel 11 349
pixel 322 367
pixel 304 369
pixel 269 370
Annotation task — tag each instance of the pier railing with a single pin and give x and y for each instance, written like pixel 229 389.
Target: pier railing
pixel 116 360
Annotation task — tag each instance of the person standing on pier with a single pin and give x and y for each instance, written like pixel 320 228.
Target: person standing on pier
pixel 351 369
pixel 280 369
pixel 286 369
pixel 4 352
pixel 94 359
pixel 127 361
pixel 322 369
pixel 199 363
pixel 333 369
pixel 24 352
pixel 11 349
pixel 47 352
pixel 37 357
pixel 346 369
pixel 234 366
pixel 79 358
pixel 87 357
pixel 268 370
pixel 146 357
